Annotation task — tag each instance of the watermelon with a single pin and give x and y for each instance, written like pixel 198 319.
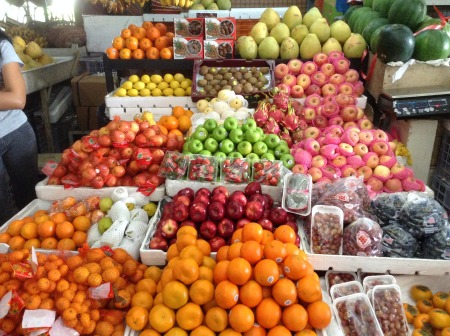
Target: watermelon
pixel 364 20
pixel 432 21
pixel 372 26
pixel 373 44
pixel 354 16
pixel 431 44
pixel 409 13
pixel 349 12
pixel 368 3
pixel 382 6
pixel 395 43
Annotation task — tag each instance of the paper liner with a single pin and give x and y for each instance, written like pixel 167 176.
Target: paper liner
pixel 119 211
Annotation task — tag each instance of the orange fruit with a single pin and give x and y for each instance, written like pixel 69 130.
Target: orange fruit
pixel 5 237
pixel 234 251
pixel 295 267
pixel 177 111
pixel 162 42
pixel 146 284
pixel 175 295
pixel 49 243
pixel 267 237
pixel 216 319
pixel 171 122
pixel 189 317
pixel 279 330
pixel 285 234
pixel 113 53
pixel 230 332
pixel 46 229
pixel 241 318
pixel 255 330
pixel 252 231
pixel 153 272
pixel 252 251
pixel 176 331
pixel 292 249
pixel 139 32
pixel 184 123
pixel 125 53
pixel 138 54
pixel 166 53
pixel 220 272
pixel 16 242
pixel 125 33
pixel 153 33
pixel 226 294
pixel 222 253
pixel 152 53
pixel 161 27
pixel 275 250
pixel 149 332
pixel 284 292
pixel 137 318
pixel 104 328
pixel 239 271
pixel 308 289
pixel 186 271
pixel 81 223
pixel 143 299
pixel 66 244
pixel 205 273
pixel 202 331
pixel 36 243
pixel 201 292
pixel 236 236
pixel 131 43
pixel 319 314
pixel 266 272
pixel 268 313
pixel 186 229
pixel 295 317
pixel 123 299
pixel 79 238
pixel 250 294
pixel 94 280
pixel 204 246
pixel 208 262
pixel 29 230
pixel 64 230
pixel 193 252
pixel 185 240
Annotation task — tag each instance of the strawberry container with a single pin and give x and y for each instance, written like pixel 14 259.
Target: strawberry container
pixel 202 168
pixel 189 27
pixel 344 289
pixel 268 172
pixel 220 28
pixel 174 165
pixel 297 193
pixel 187 47
pixel 235 170
pixel 214 49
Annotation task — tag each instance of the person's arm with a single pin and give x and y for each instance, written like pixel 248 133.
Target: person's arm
pixel 13 92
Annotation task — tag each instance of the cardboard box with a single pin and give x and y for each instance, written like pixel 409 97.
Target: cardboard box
pixel 216 49
pixel 87 117
pixel 89 89
pixel 189 27
pixel 188 47
pixel 220 28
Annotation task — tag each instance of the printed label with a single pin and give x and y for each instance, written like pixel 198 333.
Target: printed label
pixel 363 239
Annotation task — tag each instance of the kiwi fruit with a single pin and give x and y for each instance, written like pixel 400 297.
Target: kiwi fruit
pixel 209 77
pixel 223 82
pixel 203 70
pixel 227 76
pixel 202 82
pixel 237 89
pixel 248 88
pixel 264 70
pixel 223 71
pixel 252 80
pixel 248 75
pixel 218 76
pixel 213 71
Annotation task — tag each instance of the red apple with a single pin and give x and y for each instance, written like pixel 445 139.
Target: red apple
pixel 216 211
pixel 304 81
pixel 281 70
pixel 180 212
pixel 225 228
pixel 254 210
pixel 295 66
pixel 220 190
pixel 189 192
pixel 239 197
pixel 169 228
pixel 219 197
pixel 203 191
pixel 320 58
pixel 182 199
pixel 252 188
pixel 216 243
pixel 309 68
pixel 198 212
pixel 278 216
pixel 234 210
pixel 320 121
pixel 207 229
pixel 158 243
pixel 313 89
pixel 241 222
pixel 266 224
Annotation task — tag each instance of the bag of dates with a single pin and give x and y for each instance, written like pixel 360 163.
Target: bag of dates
pixel 363 238
pixel 437 246
pixel 398 243
pixel 386 207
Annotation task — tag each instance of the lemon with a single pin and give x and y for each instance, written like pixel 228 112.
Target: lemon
pixel 133 78
pixel 168 92
pixel 150 86
pixel 174 84
pixel 145 79
pixel 179 92
pixel 168 78
pixel 138 85
pixel 163 85
pixel 144 92
pixel 127 85
pixel 189 81
pixel 133 92
pixel 188 91
pixel 179 77
pixel 184 84
pixel 121 92
pixel 156 79
pixel 157 92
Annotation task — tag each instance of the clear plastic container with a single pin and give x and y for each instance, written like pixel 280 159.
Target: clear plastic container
pixel 174 165
pixel 333 277
pixel 387 304
pixel 202 168
pixel 268 172
pixel 327 224
pixel 375 280
pixel 345 288
pixel 297 193
pixel 355 316
pixel 235 170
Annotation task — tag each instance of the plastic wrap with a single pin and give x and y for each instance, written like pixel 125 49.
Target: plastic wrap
pixel 397 242
pixel 297 193
pixel 437 246
pixel 386 207
pixel 363 238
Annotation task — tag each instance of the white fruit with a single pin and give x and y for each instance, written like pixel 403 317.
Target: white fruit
pixel 236 103
pixel 225 95
pixel 202 104
pixel 220 107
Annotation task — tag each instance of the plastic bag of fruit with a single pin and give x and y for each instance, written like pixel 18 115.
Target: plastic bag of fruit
pixel 386 207
pixel 398 243
pixel 437 246
pixel 363 238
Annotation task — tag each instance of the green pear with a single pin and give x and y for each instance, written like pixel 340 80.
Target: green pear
pixel 292 17
pixel 150 208
pixel 280 32
pixel 310 46
pixel 354 46
pixel 212 6
pixel 312 15
pixel 105 204
pixel 269 48
pixel 331 45
pixel 270 18
pixel 224 4
pixel 340 30
pixel 299 32
pixel 104 224
pixel 259 32
pixel 248 48
pixel 206 3
pixel 289 48
pixel 321 28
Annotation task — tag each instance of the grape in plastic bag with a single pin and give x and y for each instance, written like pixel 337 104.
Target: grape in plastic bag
pixel 398 243
pixel 386 207
pixel 363 238
pixel 437 246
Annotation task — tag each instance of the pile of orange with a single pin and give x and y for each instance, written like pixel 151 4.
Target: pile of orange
pixel 62 283
pixel 150 41
pixel 259 285
pixel 179 120
pixel 47 231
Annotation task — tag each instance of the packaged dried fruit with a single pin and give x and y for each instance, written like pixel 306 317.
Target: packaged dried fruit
pixel 235 170
pixel 345 288
pixel 398 243
pixel 363 238
pixel 327 224
pixel 202 168
pixel 371 281
pixel 174 165
pixel 355 316
pixel 268 172
pixel 333 277
pixel 297 193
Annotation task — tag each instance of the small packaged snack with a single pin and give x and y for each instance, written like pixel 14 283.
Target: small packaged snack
pixel 174 165
pixel 297 193
pixel 345 288
pixel 235 170
pixel 398 243
pixel 375 280
pixel 267 172
pixel 363 238
pixel 355 316
pixel 388 306
pixel 202 168
pixel 327 222
pixel 337 277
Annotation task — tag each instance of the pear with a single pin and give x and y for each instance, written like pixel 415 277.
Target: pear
pixel 331 45
pixel 206 3
pixel 292 17
pixel 224 4
pixel 248 49
pixel 269 48
pixel 289 48
pixel 197 6
pixel 33 50
pixel 212 6
pixel 270 18
pixel 312 15
pixel 321 28
pixel 340 30
pixel 280 32
pixel 299 32
pixel 310 46
pixel 354 46
pixel 259 32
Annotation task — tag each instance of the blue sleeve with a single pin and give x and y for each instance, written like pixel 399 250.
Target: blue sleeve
pixel 8 54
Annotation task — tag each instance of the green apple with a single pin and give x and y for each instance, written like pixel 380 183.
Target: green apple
pixel 105 204
pixel 271 151
pixel 186 146
pixel 259 148
pixel 150 208
pixel 220 133
pixel 252 157
pixel 244 147
pixel 210 125
pixel 230 123
pixel 195 146
pixel 249 123
pixel 200 134
pixel 235 155
pixel 226 146
pixel 284 143
pixel 260 130
pixel 272 141
pixel 104 224
pixel 220 155
pixel 187 153
pixel 268 156
pixel 252 135
pixel 288 160
pixel 280 150
pixel 211 144
pixel 236 135
pixel 205 152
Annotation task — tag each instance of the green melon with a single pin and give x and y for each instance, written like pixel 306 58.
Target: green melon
pixel 409 13
pixel 355 15
pixel 395 43
pixel 349 12
pixel 382 6
pixel 364 20
pixel 367 3
pixel 432 21
pixel 372 26
pixel 373 44
pixel 431 44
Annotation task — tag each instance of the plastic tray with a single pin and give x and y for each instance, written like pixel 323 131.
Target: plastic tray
pixel 301 212
pixel 56 192
pixel 329 209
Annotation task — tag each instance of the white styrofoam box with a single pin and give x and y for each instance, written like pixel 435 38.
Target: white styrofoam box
pixel 361 102
pixel 56 192
pixel 148 102
pixel 60 104
pixel 173 186
pixel 128 113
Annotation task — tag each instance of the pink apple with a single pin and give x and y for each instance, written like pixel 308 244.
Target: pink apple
pixel 365 124
pixel 346 88
pixel 337 79
pixel 309 113
pixel 413 184
pixel 327 69
pixel 299 169
pixel 349 171
pixel 382 173
pixel 380 147
pixel 393 185
pixel 343 99
pixel 349 113
pixel 320 58
pixel 365 137
pixel 329 109
pixel 360 149
pixel 334 130
pixel 342 65
pixel 316 173
pixel 303 80
pixel 365 171
pixel 311 145
pixel 329 151
pixel 399 171
pixel 379 134
pixel 319 78
pixel 281 70
pixel 355 161
pixel 358 87
pixel 284 88
pixel 388 160
pixel 350 136
pixel 295 66
pixel 313 89
pixel 361 114
pixel 351 76
pixel 297 91
pixel 312 132
pixel 371 159
pixel 289 80
pixel 313 100
pixel 337 120
pixel 319 161
pixel 320 121
pixel 375 184
pixel 346 149
pixel 309 68
pixel 350 124
pixel 392 145
pixel 334 55
pixel 329 89
pixel 331 172
pixel 339 161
